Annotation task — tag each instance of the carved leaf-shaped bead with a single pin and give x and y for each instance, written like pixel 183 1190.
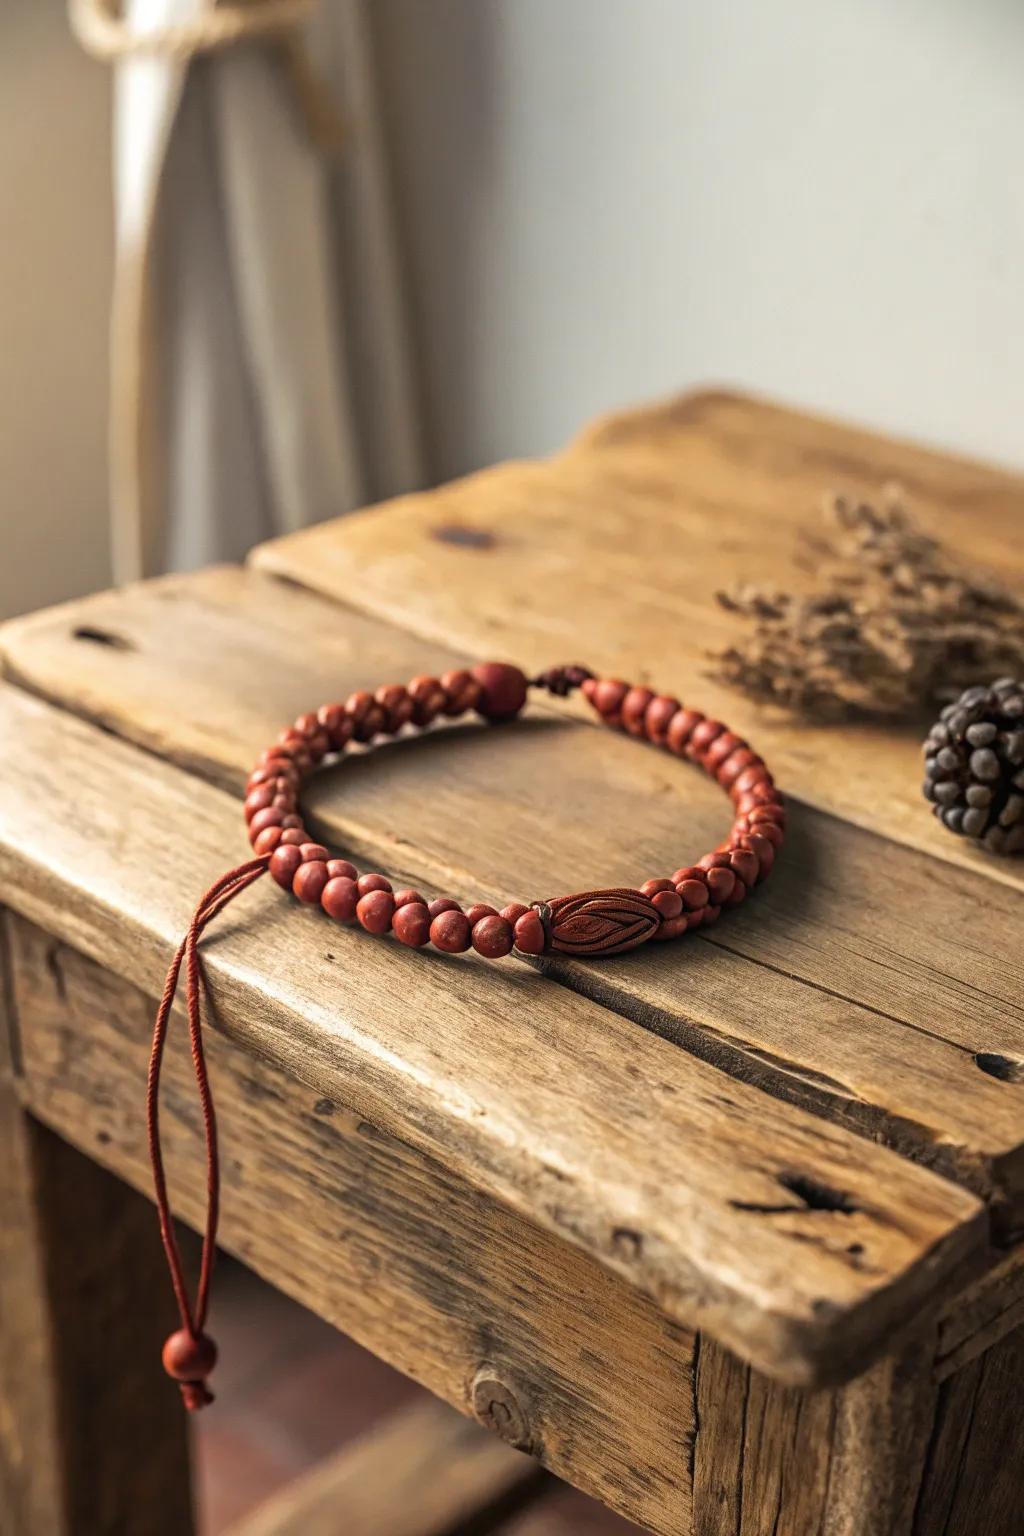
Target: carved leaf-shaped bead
pixel 601 922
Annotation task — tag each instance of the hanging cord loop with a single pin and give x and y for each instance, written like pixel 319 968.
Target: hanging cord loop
pixel 189 1355
pixel 102 30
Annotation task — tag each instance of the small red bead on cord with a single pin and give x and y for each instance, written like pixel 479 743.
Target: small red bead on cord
pixel 587 924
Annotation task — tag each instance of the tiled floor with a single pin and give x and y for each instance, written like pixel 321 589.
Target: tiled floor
pixel 290 1390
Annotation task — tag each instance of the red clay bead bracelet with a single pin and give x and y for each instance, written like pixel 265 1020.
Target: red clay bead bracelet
pixel 599 922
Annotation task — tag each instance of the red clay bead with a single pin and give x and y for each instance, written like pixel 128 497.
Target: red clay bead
pixel 608 696
pixel 411 924
pixel 721 748
pixel 769 810
pixel 313 852
pixel 269 817
pixel 408 897
pixel 279 759
pixel 258 800
pixel 668 903
pixel 443 904
pixel 428 699
pixel 672 927
pixel 394 700
pixel 734 765
pixel 462 691
pixel 492 936
pixel 769 829
pixel 333 719
pixel 762 850
pixel 688 872
pixel 267 840
pixel 338 898
pixel 189 1357
pixel 358 705
pixel 753 774
pixel 739 895
pixel 368 883
pixel 375 910
pixel 649 887
pixel 258 777
pixel 373 723
pixel 450 931
pixel 293 823
pixel 714 860
pixel 720 884
pixel 284 861
pixel 341 869
pixel 530 936
pixel 478 910
pixel 309 882
pixel 745 864
pixel 681 727
pixel 295 836
pixel 704 734
pixel 694 894
pixel 514 911
pixel 634 708
pixel 502 690
pixel 659 716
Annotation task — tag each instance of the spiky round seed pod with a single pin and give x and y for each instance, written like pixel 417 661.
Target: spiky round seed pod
pixel 974 766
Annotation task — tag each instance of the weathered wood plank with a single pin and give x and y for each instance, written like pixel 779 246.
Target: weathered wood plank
pixel 611 554
pixel 503 1319
pixel 988 1309
pixel 425 1471
pixel 735 1211
pixel 838 987
pixel 769 1460
pixel 85 1444
pixel 972 1482
pixel 880 1445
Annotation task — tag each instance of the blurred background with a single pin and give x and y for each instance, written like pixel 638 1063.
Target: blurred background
pixel 533 213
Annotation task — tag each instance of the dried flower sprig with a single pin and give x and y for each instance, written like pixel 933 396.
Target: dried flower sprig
pixel 898 627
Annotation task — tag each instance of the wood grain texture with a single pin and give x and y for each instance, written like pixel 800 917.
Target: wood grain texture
pixel 611 554
pixel 516 1328
pixel 880 1445
pixel 839 987
pixel 972 1480
pixel 425 1471
pixel 84 1444
pixel 801 1246
pixel 488 1310
pixel 770 1460
pixel 985 1311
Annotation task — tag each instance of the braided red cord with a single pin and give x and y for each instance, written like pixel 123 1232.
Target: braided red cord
pixel 189 1356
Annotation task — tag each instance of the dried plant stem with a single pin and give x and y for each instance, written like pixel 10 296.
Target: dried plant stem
pixel 897 628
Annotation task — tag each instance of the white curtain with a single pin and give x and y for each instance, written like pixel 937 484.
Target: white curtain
pixel 260 369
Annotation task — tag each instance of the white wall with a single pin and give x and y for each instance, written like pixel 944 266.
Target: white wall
pixel 55 263
pixel 608 199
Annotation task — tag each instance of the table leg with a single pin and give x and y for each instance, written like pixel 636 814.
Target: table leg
pixel 92 1438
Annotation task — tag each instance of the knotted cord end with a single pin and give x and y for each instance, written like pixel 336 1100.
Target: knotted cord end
pixel 195 1395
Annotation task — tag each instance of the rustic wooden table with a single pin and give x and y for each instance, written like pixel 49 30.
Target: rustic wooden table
pixel 724 1231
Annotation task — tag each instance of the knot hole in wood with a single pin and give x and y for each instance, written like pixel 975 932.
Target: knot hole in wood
pixel 498 1409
